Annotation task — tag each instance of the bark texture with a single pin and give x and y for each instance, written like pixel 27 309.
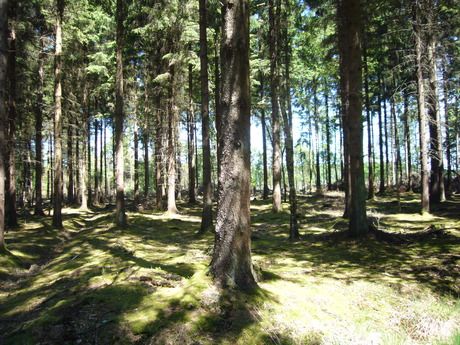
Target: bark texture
pixel 231 264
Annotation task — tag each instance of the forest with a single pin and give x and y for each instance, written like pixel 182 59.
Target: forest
pixel 230 172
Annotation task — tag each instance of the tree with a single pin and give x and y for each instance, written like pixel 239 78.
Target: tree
pixel 417 25
pixel 274 18
pixel 119 119
pixel 350 31
pixel 58 185
pixel 3 65
pixel 231 264
pixel 206 218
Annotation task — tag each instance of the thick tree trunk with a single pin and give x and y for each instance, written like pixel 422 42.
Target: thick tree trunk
pixel 58 185
pixel 231 264
pixel 38 133
pixel 350 20
pixel 425 198
pixel 274 17
pixel 119 119
pixel 206 218
pixel 3 96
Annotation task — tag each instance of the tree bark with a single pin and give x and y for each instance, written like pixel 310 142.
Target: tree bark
pixel 274 17
pixel 119 119
pixel 288 138
pixel 370 190
pixel 11 211
pixel 425 197
pixel 206 218
pixel 171 149
pixel 58 185
pixel 231 264
pixel 350 20
pixel 382 185
pixel 437 192
pixel 191 140
pixel 407 141
pixel 38 132
pixel 3 96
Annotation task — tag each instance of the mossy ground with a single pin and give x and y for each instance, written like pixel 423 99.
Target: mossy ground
pixel 94 283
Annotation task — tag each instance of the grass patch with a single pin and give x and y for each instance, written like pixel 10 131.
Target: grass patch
pixel 147 283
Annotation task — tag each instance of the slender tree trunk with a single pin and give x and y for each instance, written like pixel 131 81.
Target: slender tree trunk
pixel 274 17
pixel 145 138
pixel 382 187
pixel 96 165
pixel 171 149
pixel 159 167
pixel 58 185
pixel 328 141
pixel 407 141
pixel 119 119
pixel 231 264
pixel 70 166
pixel 88 143
pixel 206 218
pixel 370 191
pixel 350 20
pixel 11 211
pixel 447 108
pixel 437 191
pixel 38 132
pixel 191 140
pixel 264 155
pixel 425 199
pixel 3 114
pixel 289 141
pixel 101 159
pixel 136 162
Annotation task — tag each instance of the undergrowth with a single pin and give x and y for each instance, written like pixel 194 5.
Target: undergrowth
pixel 94 283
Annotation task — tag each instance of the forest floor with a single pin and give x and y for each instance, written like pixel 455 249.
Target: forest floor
pixel 94 283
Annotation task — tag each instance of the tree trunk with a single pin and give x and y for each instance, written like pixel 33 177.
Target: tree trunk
pixel 437 192
pixel 96 165
pixel 136 162
pixel 70 165
pixel 289 141
pixel 425 198
pixel 382 187
pixel 350 20
pixel 407 141
pixel 171 149
pixel 11 212
pixel 159 155
pixel 206 218
pixel 38 132
pixel 58 185
pixel 447 108
pixel 3 115
pixel 370 191
pixel 191 140
pixel 119 119
pixel 231 264
pixel 274 17
pixel 328 141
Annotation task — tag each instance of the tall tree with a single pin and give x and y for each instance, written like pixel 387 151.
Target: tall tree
pixel 12 217
pixel 206 219
pixel 418 25
pixel 39 129
pixel 350 27
pixel 58 184
pixel 119 119
pixel 274 18
pixel 231 264
pixel 191 140
pixel 3 65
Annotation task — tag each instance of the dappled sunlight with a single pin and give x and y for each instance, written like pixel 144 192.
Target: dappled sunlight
pixel 148 281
